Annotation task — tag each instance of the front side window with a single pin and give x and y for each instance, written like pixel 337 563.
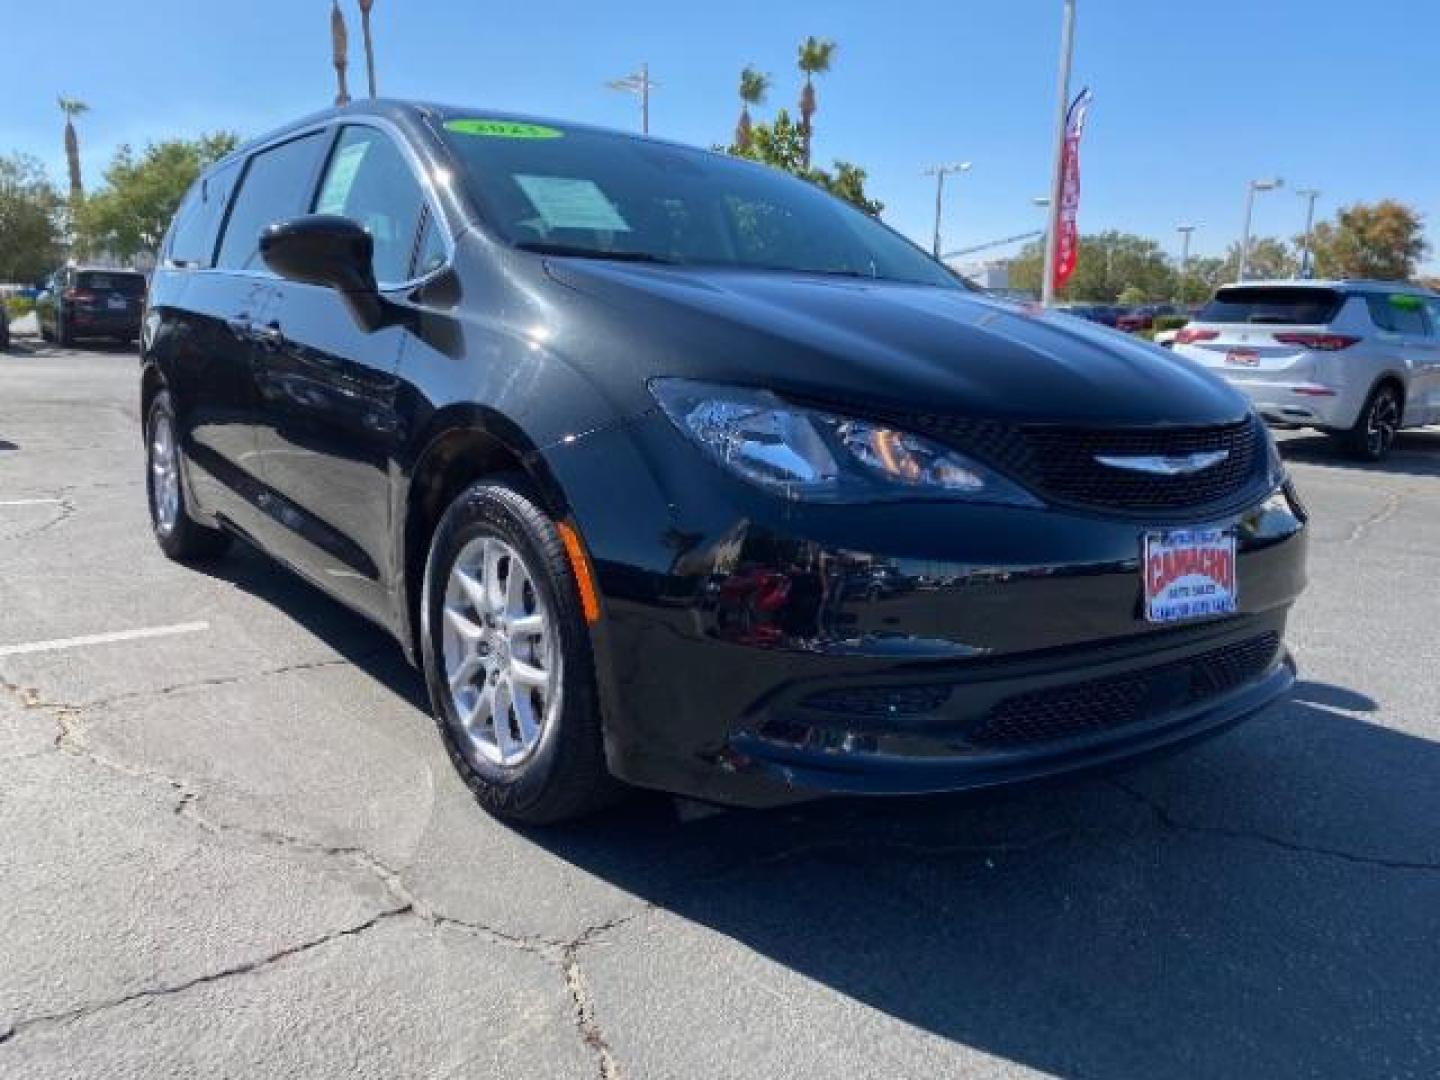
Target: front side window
pixel 276 186
pixel 369 181
pixel 606 195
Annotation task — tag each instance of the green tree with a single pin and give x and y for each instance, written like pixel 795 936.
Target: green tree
pixel 754 85
pixel 29 230
pixel 816 56
pixel 780 145
pixel 1270 258
pixel 1203 276
pixel 1106 265
pixel 1131 296
pixel 1382 240
pixel 131 212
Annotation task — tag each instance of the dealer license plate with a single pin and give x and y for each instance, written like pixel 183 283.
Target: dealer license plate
pixel 117 303
pixel 1188 574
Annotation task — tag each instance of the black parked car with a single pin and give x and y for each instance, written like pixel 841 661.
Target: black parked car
pixel 614 436
pixel 80 302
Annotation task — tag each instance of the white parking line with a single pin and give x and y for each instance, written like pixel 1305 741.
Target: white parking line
pixel 102 639
pixel 30 502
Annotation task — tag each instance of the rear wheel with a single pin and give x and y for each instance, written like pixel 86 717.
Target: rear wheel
pixel 1377 426
pixel 179 535
pixel 507 659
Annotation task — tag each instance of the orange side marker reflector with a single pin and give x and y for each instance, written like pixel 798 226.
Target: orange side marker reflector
pixel 580 565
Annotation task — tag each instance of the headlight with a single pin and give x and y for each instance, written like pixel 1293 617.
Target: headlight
pixel 805 454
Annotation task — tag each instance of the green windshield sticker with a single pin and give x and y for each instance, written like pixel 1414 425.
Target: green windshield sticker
pixel 503 129
pixel 1404 302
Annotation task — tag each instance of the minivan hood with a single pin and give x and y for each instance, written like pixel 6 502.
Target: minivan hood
pixel 899 345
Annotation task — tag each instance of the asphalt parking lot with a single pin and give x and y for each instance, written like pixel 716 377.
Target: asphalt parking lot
pixel 231 845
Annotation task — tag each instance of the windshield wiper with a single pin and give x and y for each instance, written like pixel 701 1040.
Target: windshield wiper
pixel 540 247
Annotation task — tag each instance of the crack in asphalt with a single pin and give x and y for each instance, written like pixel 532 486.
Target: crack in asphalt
pixel 1393 501
pixel 1169 821
pixel 563 954
pixel 231 680
pixel 67 511
pixel 249 967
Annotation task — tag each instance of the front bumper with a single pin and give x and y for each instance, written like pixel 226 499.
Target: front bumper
pixel 757 652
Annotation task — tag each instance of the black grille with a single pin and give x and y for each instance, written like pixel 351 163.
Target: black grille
pixel 1106 704
pixel 1060 463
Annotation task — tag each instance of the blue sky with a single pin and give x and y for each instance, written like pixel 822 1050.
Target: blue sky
pixel 1191 99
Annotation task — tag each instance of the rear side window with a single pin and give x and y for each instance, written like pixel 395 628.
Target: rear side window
pixel 197 222
pixel 1398 313
pixel 277 185
pixel 369 181
pixel 1276 306
pixel 96 281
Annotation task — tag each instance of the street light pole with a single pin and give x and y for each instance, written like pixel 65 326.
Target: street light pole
pixel 1184 231
pixel 1062 98
pixel 640 84
pixel 939 172
pixel 1307 252
pixel 1250 189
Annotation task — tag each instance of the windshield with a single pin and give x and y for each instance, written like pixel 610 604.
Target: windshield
pixel 599 194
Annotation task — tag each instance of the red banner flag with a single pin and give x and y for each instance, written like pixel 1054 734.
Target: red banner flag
pixel 1067 245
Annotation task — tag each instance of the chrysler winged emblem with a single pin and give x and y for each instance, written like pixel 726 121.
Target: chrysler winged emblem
pixel 1163 464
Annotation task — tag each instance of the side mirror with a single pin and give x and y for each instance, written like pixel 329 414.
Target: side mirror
pixel 328 250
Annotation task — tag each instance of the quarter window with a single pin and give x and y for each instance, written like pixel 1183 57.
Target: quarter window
pixel 276 186
pixel 1399 313
pixel 431 254
pixel 197 222
pixel 369 181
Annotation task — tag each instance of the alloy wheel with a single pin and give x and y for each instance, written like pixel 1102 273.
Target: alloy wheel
pixel 1382 423
pixel 501 659
pixel 164 473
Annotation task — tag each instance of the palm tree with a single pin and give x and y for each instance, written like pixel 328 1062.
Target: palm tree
pixel 73 107
pixel 365 6
pixel 754 85
pixel 815 56
pixel 339 43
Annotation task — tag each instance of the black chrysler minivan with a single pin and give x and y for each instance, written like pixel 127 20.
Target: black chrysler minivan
pixel 671 469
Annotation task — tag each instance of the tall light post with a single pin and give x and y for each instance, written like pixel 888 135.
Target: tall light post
pixel 1062 99
pixel 640 84
pixel 1307 252
pixel 940 172
pixel 1250 189
pixel 1184 231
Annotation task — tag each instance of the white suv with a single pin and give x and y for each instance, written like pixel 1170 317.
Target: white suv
pixel 1358 359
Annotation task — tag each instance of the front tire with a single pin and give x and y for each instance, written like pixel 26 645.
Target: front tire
pixel 1373 435
pixel 179 535
pixel 508 662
